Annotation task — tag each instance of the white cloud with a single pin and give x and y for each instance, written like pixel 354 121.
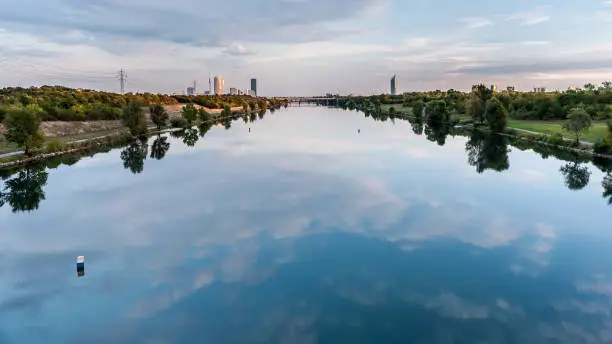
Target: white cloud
pixel 476 23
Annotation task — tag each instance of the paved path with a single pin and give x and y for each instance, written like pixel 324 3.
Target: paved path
pixel 585 143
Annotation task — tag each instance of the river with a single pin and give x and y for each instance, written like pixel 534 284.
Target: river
pixel 310 225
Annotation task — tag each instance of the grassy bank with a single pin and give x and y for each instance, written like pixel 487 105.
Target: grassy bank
pixel 597 132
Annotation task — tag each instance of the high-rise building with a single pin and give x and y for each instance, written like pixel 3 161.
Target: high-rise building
pixel 254 86
pixel 190 91
pixel 393 85
pixel 510 88
pixel 218 85
pixel 494 88
pixel 233 91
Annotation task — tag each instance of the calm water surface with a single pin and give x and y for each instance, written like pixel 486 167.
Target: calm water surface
pixel 305 231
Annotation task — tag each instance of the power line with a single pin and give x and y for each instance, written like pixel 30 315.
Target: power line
pixel 122 79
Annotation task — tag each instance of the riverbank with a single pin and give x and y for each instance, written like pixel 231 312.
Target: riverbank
pixel 597 132
pixel 100 139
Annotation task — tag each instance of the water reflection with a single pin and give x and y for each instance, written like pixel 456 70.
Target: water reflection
pixel 160 147
pixel 286 237
pixel 576 176
pixel 190 137
pixel 487 152
pixel 134 155
pixel 607 185
pixel 25 191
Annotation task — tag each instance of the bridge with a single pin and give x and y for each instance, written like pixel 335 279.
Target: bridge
pixel 325 101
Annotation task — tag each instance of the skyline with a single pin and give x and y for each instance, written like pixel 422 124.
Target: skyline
pixel 339 47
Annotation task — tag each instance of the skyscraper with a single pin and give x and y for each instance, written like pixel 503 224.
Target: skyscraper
pixel 218 85
pixel 254 86
pixel 393 85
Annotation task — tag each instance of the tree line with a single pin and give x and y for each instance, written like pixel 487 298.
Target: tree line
pixel 58 103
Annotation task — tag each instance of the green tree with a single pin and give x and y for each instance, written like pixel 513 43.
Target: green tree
pixel 134 155
pixel 25 191
pixel 227 111
pixel 245 107
pixel 437 112
pixel 159 148
pixel 134 119
pixel 497 116
pixel 392 111
pixel 253 105
pixel 578 122
pixel 607 186
pixel 576 176
pixel 204 115
pixel 476 109
pixel 159 115
pixel 23 126
pixel 190 114
pixel 417 108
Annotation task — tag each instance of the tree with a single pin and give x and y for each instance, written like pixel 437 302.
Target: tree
pixel 159 148
pixel 476 108
pixel 437 112
pixel 134 119
pixel 159 115
pixel 578 122
pixel 245 107
pixel 392 111
pixel 25 191
pixel 134 155
pixel 204 115
pixel 417 108
pixel 252 105
pixel 576 176
pixel 23 126
pixel 497 116
pixel 227 111
pixel 190 114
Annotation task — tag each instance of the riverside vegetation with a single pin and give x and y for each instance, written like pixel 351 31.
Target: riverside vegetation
pixel 562 117
pixel 23 110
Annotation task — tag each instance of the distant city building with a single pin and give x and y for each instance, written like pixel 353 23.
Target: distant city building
pixel 206 93
pixel 233 91
pixel 218 85
pixel 510 88
pixel 539 90
pixel 393 85
pixel 250 93
pixel 190 91
pixel 254 86
pixel 494 88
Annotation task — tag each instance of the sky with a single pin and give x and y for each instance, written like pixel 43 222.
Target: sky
pixel 305 47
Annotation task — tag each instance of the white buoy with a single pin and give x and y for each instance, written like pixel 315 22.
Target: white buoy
pixel 80 262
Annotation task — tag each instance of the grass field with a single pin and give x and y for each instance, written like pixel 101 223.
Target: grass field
pixel 597 131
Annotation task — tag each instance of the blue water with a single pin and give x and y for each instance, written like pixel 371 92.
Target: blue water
pixel 305 231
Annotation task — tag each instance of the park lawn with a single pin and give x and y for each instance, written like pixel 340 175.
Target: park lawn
pixel 596 132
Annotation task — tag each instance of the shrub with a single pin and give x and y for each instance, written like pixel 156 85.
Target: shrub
pixel 178 122
pixel 55 146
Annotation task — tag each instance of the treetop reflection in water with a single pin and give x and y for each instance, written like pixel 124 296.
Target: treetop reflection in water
pixel 484 152
pixel 315 226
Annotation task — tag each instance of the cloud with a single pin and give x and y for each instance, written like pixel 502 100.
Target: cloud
pixel 449 305
pixel 476 23
pixel 183 21
pixel 536 16
pixel 238 50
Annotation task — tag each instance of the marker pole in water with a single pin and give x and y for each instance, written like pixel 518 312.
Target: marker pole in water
pixel 80 263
